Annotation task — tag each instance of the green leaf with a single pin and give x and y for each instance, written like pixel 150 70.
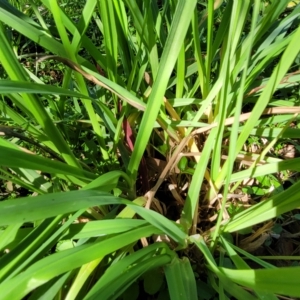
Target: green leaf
pixel 181 280
pixel 153 281
pixel 101 228
pixel 18 159
pixel 159 221
pixel 61 262
pixel 180 24
pixel 9 234
pixel 45 206
pixel 10 86
pixel 283 281
pixel 120 275
pixel 265 210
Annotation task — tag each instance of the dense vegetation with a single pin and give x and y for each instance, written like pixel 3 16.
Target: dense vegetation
pixel 149 149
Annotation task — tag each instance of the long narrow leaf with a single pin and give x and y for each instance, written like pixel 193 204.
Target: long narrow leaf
pixel 182 17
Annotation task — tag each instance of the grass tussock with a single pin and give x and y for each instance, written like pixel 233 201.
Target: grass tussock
pixel 149 149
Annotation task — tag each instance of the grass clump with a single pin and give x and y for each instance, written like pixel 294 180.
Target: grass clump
pixel 142 149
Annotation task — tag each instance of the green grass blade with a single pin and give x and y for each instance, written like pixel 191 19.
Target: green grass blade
pixel 101 228
pixel 124 272
pixel 198 54
pixel 108 181
pixel 9 234
pixel 242 265
pixel 272 167
pixel 229 285
pixel 10 86
pixel 281 69
pixel 82 276
pixel 15 261
pixel 45 206
pixel 242 11
pixel 61 262
pixel 35 162
pixel 180 279
pixel 250 256
pixel 110 36
pixel 83 24
pixel 180 24
pixel 159 221
pixel 37 244
pixel 282 281
pixel 266 210
pixel 16 72
pixel 192 199
pixel 29 28
pixel 51 288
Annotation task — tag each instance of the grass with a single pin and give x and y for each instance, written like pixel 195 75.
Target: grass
pixel 141 149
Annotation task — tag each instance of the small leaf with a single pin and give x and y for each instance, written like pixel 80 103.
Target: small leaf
pixel 205 291
pixel 277 228
pixel 132 292
pixel 153 281
pixel 63 245
pixel 182 163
